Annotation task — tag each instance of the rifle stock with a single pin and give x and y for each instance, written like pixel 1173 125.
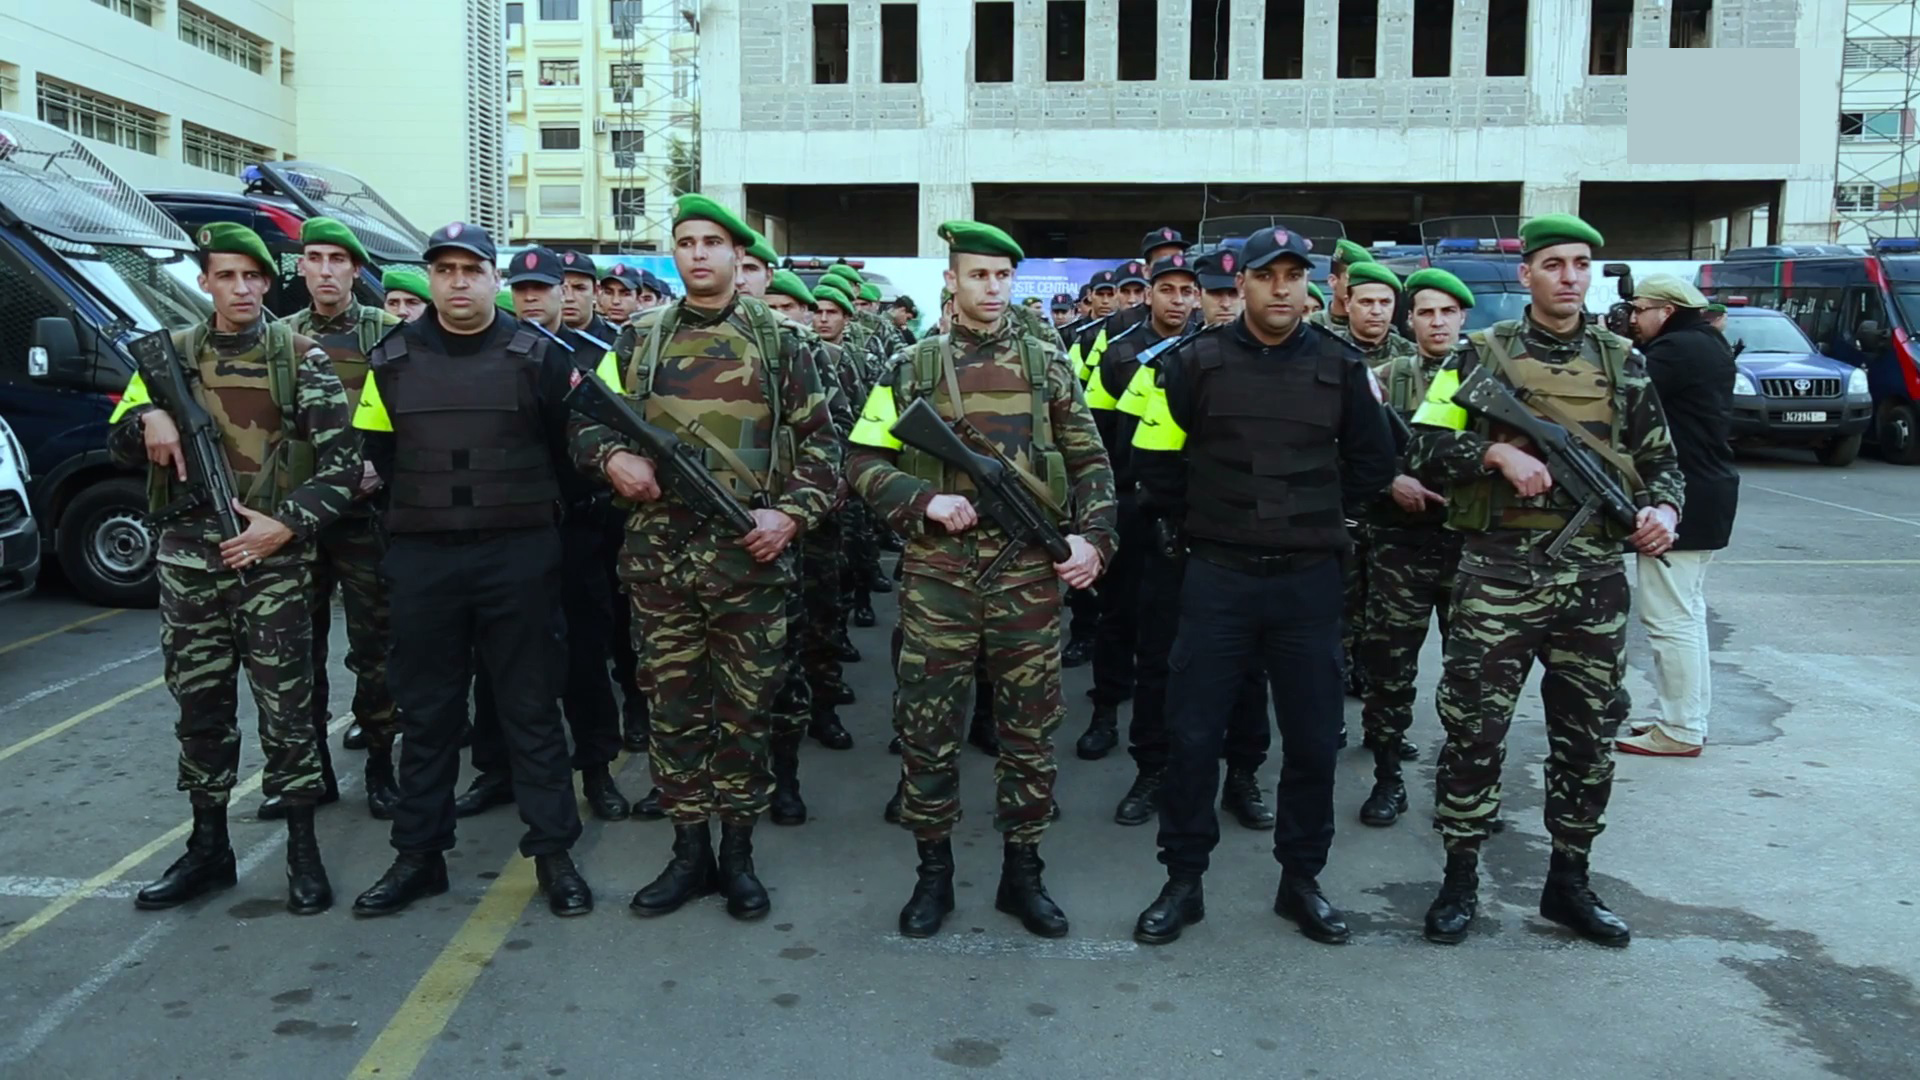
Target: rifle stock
pixel 682 470
pixel 209 477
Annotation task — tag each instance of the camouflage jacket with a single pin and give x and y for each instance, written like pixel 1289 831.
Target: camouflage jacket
pixel 1385 350
pixel 321 417
pixel 902 499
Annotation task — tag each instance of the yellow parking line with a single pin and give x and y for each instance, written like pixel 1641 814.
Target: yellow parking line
pixel 74 625
pixel 34 740
pixel 399 1048
pixel 58 907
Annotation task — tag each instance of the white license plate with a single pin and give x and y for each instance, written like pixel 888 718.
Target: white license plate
pixel 1804 417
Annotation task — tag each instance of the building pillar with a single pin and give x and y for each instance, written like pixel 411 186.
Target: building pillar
pixel 731 196
pixel 1806 212
pixel 1469 39
pixel 939 203
pixel 1393 40
pixel 1557 60
pixel 1549 198
pixel 1740 229
pixel 1320 37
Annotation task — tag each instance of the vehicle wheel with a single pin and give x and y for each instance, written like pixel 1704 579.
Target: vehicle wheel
pixel 1839 452
pixel 1899 433
pixel 106 549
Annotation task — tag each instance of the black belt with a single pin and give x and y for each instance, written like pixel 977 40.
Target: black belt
pixel 462 537
pixel 1258 562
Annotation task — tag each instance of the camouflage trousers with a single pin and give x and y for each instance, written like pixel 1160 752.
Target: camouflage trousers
pixel 1578 631
pixel 715 652
pixel 211 624
pixel 1409 578
pixel 945 628
pixel 1353 611
pixel 349 558
pixel 860 562
pixel 792 704
pixel 823 561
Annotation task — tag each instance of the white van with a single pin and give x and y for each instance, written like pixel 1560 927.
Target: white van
pixel 19 538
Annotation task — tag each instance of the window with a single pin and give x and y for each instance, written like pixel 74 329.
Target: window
pixel 992 42
pixel 286 67
pixel 899 43
pixel 516 82
pixel 1690 24
pixel 628 140
pixel 559 73
pixel 559 136
pixel 1856 197
pixel 140 11
pixel 1066 40
pixel 560 200
pixel 23 299
pixel 1507 37
pixel 1208 44
pixel 559 10
pixel 625 13
pixel 829 43
pixel 228 42
pixel 1359 42
pixel 516 198
pixel 1862 304
pixel 207 149
pixel 1138 41
pixel 9 89
pixel 1612 33
pixel 1891 125
pixel 626 76
pixel 1879 52
pixel 516 17
pixel 89 115
pixel 1286 41
pixel 682 79
pixel 629 201
pixel 1433 39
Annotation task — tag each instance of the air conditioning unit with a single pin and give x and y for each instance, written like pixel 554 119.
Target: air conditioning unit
pixel 623 161
pixel 599 125
pixel 623 223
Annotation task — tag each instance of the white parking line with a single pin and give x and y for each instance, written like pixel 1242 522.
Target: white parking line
pixel 51 888
pixel 1835 505
pixel 68 684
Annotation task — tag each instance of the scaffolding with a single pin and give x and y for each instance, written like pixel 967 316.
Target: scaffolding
pixel 1876 181
pixel 655 144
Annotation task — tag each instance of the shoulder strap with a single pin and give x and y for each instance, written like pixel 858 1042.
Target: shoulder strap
pixel 1035 360
pixel 926 358
pixel 647 357
pixel 523 342
pixel 283 377
pixel 767 335
pixel 371 328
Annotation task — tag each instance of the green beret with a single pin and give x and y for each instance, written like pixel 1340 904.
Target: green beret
pixel 788 283
pixel 1668 289
pixel 224 237
pixel 828 293
pixel 1371 273
pixel 406 279
pixel 762 250
pixel 700 208
pixel 1716 309
pixel 870 293
pixel 979 238
pixel 1348 253
pixel 842 270
pixel 504 300
pixel 325 230
pixel 1550 229
pixel 1314 290
pixel 1436 278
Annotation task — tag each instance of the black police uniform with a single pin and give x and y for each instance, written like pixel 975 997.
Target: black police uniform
pixel 474 570
pixel 1278 439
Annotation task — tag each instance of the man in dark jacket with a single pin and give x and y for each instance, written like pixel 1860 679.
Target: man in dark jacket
pixel 1692 369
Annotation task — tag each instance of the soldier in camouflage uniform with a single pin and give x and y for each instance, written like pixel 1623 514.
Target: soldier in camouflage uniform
pixel 348 552
pixel 1411 557
pixel 1513 603
pixel 868 346
pixel 225 602
pixel 1019 395
pixel 719 369
pixel 1332 313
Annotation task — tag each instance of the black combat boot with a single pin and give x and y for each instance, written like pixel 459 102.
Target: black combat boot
pixel 1102 734
pixel 635 721
pixel 487 791
pixel 932 897
pixel 1241 796
pixel 1023 895
pixel 845 649
pixel 690 873
pixel 826 729
pixel 1389 797
pixel 207 865
pixel 413 876
pixel 308 891
pixel 894 746
pixel 355 738
pixel 786 806
pixel 862 613
pixel 1403 746
pixel 382 793
pixel 649 808
pixel 603 795
pixel 894 805
pixel 746 897
pixel 1451 914
pixel 1181 903
pixel 1568 899
pixel 1301 900
pixel 1079 650
pixel 567 891
pixel 1137 806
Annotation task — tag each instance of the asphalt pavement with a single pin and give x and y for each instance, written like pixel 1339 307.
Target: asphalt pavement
pixel 1770 885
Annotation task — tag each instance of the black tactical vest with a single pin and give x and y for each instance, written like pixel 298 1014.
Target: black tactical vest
pixel 1263 466
pixel 470 450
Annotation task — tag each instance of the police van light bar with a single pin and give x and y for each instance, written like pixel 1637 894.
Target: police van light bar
pixel 1904 244
pixel 312 186
pixel 1479 245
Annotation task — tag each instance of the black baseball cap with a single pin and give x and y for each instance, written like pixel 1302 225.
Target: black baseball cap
pixel 538 265
pixel 573 262
pixel 469 238
pixel 1177 263
pixel 1215 269
pixel 622 273
pixel 652 284
pixel 1162 237
pixel 1061 302
pixel 1267 245
pixel 1105 279
pixel 1131 272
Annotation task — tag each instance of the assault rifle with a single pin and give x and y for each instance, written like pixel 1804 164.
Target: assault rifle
pixel 1577 471
pixel 209 477
pixel 997 488
pixel 681 468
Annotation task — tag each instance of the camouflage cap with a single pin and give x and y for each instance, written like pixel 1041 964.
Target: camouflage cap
pixel 1435 278
pixel 826 292
pixel 696 207
pixel 325 230
pixel 788 283
pixel 979 238
pixel 1548 230
pixel 227 238
pixel 1372 273
pixel 408 280
pixel 1348 253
